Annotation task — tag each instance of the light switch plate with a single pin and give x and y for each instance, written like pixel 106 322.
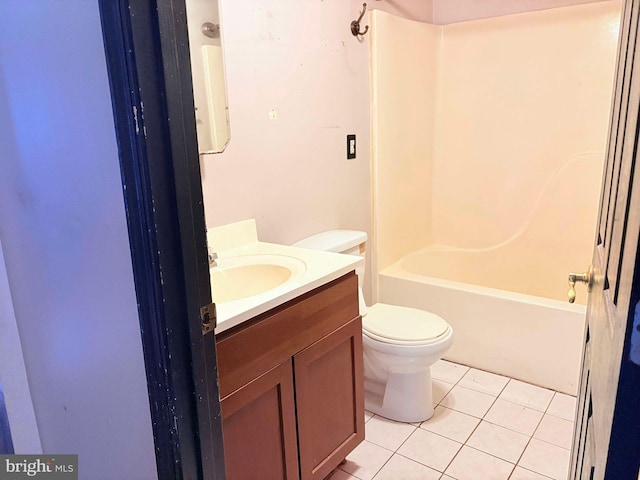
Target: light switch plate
pixel 351 146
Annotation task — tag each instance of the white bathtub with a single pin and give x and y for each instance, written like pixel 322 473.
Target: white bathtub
pixel 535 339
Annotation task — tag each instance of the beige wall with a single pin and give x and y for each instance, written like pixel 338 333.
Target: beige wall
pixel 297 86
pixel 519 133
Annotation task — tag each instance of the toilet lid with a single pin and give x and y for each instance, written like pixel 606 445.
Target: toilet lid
pixel 403 324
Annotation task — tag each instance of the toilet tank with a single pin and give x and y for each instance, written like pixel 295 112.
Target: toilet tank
pixel 338 241
pixel 350 242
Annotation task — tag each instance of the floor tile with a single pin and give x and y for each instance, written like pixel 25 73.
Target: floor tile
pixel 366 460
pixel 484 382
pixel 555 430
pixel 452 424
pixel 439 390
pixel 429 449
pixel 340 475
pixel 563 406
pixel 468 401
pixel 546 459
pixel 528 395
pixel 447 371
pixel 514 417
pixel 520 473
pixel 399 467
pixel 507 431
pixel 387 433
pixel 498 441
pixel 471 464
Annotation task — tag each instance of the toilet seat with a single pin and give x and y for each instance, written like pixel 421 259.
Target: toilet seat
pixel 396 325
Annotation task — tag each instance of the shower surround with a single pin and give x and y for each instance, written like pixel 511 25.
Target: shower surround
pixel 488 142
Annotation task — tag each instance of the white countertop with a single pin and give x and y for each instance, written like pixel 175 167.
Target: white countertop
pixel 319 268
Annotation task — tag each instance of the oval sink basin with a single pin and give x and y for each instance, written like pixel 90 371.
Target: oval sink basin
pixel 247 275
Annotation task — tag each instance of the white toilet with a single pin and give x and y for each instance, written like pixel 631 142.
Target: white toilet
pixel 400 343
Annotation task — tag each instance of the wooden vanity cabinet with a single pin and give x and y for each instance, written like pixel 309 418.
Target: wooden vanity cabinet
pixel 291 382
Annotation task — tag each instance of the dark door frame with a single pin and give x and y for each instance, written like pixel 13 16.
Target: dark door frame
pixel 147 53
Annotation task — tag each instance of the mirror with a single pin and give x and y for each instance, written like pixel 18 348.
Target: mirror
pixel 209 81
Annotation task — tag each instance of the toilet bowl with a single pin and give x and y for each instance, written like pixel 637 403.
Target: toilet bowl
pixel 400 343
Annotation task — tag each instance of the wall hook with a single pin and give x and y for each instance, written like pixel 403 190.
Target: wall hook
pixel 355 25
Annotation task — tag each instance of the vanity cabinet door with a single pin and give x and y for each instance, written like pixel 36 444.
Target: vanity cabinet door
pixel 329 400
pixel 259 428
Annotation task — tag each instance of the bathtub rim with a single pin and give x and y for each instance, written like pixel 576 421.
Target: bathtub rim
pixel 397 270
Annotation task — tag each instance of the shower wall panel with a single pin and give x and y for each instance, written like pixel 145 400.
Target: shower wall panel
pixel 491 134
pixel 404 68
pixel 522 120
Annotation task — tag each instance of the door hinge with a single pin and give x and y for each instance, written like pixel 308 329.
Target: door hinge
pixel 208 318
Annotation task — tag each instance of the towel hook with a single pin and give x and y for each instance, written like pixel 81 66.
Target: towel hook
pixel 355 25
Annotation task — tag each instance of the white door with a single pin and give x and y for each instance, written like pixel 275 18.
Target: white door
pixel 607 435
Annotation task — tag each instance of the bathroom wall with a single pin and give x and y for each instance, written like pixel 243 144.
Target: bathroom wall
pixel 65 242
pixel 297 84
pixel 520 123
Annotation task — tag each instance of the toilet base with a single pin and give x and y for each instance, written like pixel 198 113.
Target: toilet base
pixel 403 397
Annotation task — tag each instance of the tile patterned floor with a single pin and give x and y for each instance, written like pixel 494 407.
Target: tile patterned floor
pixel 485 427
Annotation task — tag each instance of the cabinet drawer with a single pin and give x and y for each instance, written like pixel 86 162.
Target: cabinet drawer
pixel 254 347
